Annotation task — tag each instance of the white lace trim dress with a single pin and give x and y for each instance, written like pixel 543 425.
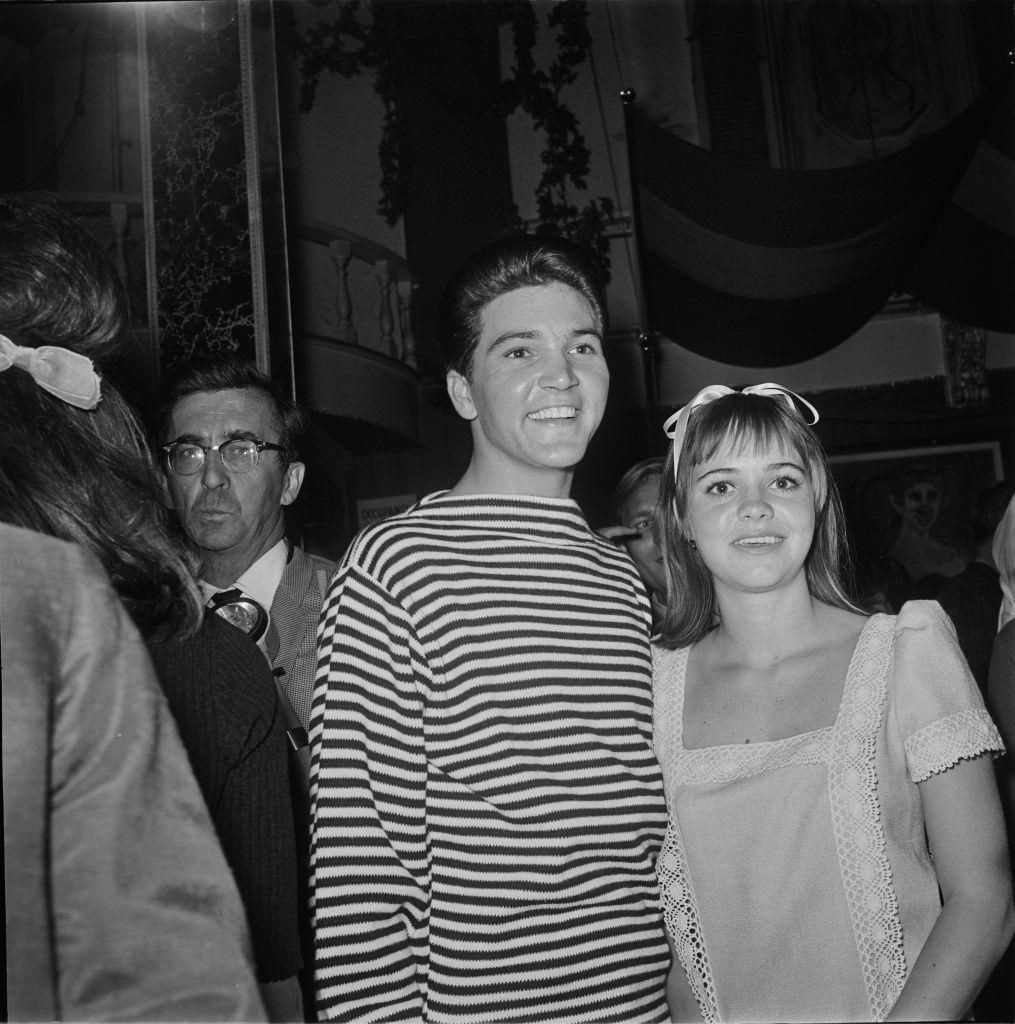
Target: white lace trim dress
pixel 795 876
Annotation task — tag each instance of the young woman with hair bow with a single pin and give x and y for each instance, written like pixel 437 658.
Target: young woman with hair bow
pixel 836 849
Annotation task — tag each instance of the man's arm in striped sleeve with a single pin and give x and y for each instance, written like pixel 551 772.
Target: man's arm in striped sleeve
pixel 369 864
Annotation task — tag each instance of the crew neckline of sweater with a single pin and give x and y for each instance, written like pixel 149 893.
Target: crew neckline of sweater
pixel 527 513
pixel 498 499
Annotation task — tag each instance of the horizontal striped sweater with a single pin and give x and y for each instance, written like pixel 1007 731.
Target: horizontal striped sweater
pixel 487 809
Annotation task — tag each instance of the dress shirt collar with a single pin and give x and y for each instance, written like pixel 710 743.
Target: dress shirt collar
pixel 260 580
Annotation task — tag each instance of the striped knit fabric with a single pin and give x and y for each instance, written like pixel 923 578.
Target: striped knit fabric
pixel 487 807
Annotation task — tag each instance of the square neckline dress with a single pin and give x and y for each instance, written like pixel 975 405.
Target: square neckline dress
pixel 795 878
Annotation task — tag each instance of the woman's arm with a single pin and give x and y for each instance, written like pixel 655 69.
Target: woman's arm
pixel 965 831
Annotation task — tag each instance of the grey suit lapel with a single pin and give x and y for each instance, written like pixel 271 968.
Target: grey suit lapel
pixel 294 617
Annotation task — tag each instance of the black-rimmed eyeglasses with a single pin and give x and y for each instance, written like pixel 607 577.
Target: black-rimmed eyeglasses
pixel 239 454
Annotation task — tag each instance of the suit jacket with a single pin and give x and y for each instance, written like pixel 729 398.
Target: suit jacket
pixel 291 642
pixel 291 639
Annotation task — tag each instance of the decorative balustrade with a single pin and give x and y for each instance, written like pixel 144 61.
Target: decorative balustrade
pixel 395 288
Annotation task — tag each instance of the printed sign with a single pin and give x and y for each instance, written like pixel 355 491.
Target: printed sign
pixel 373 510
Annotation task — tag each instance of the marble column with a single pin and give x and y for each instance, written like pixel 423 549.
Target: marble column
pixel 206 133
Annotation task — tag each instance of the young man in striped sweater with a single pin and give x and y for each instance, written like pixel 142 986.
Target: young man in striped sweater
pixel 487 806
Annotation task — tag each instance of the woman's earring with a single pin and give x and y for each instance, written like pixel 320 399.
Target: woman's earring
pixel 690 540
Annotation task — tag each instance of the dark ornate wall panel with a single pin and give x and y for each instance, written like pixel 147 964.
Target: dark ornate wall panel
pixel 201 239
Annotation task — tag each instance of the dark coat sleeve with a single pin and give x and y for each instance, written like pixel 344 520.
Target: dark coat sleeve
pixel 221 692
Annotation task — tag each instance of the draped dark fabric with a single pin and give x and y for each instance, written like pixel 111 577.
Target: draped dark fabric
pixel 757 266
pixel 967 268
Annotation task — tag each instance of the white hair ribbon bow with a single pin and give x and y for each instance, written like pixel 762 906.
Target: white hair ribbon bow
pixel 676 426
pixel 69 375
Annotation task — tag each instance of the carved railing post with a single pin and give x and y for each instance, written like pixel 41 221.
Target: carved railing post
pixel 385 320
pixel 393 338
pixel 405 291
pixel 341 252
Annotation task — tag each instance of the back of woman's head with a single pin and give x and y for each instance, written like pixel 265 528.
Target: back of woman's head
pixel 81 474
pixel 56 285
pixel 85 476
pixel 742 424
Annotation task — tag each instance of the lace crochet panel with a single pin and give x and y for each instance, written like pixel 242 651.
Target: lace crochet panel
pixel 856 819
pixel 725 764
pixel 667 673
pixel 942 744
pixel 680 914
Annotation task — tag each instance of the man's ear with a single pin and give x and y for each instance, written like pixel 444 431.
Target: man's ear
pixel 460 394
pixel 293 482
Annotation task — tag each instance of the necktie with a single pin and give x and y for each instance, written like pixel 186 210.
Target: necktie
pixel 242 611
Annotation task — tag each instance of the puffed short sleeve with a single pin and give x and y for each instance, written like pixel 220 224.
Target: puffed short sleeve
pixel 938 707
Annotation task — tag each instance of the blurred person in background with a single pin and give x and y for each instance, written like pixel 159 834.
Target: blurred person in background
pixel 972 599
pixel 632 519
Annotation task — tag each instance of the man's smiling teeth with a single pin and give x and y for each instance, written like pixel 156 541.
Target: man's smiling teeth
pixel 557 412
pixel 757 541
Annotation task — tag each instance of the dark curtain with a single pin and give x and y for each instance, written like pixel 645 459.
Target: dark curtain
pixel 967 268
pixel 757 266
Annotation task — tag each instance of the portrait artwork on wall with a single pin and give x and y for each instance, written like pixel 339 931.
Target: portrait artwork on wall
pixel 856 81
pixel 909 511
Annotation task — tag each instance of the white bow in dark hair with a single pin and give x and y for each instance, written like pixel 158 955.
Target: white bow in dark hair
pixel 676 426
pixel 69 375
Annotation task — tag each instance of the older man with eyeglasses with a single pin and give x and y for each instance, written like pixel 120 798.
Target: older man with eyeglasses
pixel 229 439
pixel 230 444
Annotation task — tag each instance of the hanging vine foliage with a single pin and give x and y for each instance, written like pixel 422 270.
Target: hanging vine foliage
pixel 356 42
pixel 348 46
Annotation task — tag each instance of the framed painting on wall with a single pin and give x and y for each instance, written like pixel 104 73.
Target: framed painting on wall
pixel 848 82
pixel 912 507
